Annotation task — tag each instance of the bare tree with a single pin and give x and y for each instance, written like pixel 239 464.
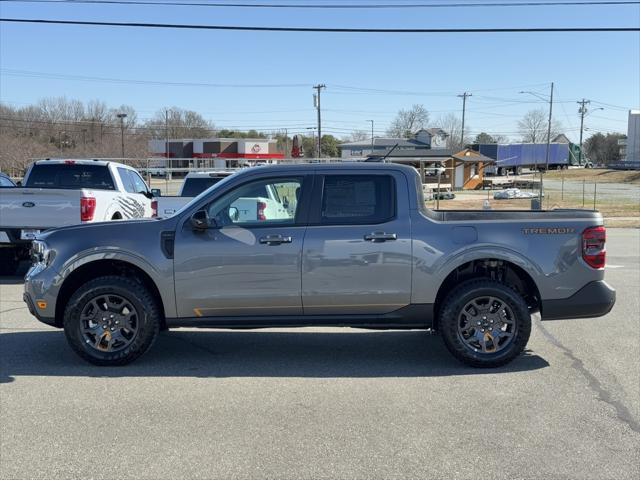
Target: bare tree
pixel 358 135
pixel 179 123
pixel 533 126
pixel 407 122
pixel 452 124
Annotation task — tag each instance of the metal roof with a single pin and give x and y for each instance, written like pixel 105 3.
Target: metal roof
pixel 426 153
pixel 386 142
pixel 474 157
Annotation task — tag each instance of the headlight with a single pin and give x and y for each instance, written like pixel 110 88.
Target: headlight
pixel 40 253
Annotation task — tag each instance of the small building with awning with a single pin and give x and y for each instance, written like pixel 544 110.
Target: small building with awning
pixel 463 170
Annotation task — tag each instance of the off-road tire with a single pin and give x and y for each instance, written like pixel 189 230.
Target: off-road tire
pixel 455 302
pixel 133 291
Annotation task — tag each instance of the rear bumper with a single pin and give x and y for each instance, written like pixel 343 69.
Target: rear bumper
pixel 595 299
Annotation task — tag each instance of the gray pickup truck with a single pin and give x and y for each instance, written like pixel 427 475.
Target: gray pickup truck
pixel 359 250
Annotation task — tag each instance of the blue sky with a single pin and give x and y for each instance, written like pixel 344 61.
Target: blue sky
pixel 431 69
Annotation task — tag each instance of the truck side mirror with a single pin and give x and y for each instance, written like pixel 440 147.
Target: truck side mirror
pixel 156 192
pixel 234 214
pixel 200 220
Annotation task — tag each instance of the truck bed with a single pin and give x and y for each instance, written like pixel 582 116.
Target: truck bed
pixel 493 215
pixel 39 207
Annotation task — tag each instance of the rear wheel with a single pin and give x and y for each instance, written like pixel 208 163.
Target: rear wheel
pixel 8 261
pixel 485 323
pixel 111 320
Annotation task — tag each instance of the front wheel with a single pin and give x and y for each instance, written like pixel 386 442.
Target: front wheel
pixel 485 323
pixel 111 320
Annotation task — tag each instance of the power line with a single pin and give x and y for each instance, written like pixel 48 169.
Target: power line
pixel 60 76
pixel 182 26
pixel 334 6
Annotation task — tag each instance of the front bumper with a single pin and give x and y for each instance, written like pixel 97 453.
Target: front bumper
pixel 595 299
pixel 42 284
pixel 34 311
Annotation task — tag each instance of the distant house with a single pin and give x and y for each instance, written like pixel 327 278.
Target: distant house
pixel 562 138
pixel 424 139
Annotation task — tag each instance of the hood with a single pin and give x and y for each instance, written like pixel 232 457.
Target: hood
pixel 114 225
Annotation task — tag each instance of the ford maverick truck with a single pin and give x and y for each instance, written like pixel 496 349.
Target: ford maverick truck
pixel 358 249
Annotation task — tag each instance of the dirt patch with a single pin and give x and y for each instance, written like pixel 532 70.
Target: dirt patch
pixel 596 175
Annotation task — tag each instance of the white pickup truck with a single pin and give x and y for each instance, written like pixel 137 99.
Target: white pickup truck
pixel 57 193
pixel 260 202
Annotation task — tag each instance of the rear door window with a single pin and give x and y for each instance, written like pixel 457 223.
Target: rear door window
pixel 127 181
pixel 357 199
pixel 138 184
pixel 70 176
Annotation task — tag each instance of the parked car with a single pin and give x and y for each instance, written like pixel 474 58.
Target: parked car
pixel 56 193
pixel 448 195
pixel 360 249
pixel 5 181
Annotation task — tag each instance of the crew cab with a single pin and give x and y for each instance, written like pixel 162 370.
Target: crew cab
pixel 66 192
pixel 360 249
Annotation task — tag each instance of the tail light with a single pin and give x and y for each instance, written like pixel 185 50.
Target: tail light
pixel 87 208
pixel 261 208
pixel 593 246
pixel 154 208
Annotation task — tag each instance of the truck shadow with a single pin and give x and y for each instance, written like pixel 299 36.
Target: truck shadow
pixel 225 354
pixel 18 278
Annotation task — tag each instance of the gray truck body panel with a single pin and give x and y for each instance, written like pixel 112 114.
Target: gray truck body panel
pixel 328 274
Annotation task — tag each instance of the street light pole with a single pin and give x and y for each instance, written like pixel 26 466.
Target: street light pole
pixel 372 143
pixel 313 136
pixel 122 116
pixel 546 168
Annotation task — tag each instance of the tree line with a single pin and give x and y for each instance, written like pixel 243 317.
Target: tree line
pixel 61 127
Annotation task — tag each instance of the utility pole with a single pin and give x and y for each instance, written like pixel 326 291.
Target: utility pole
pixel 546 167
pixel 122 116
pixel 464 110
pixel 372 144
pixel 582 111
pixel 319 88
pixel 166 136
pixel 286 143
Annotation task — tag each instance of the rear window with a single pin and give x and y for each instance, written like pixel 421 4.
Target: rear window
pixel 195 186
pixel 70 176
pixel 357 199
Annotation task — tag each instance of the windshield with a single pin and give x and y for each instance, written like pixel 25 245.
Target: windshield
pixel 6 182
pixel 219 183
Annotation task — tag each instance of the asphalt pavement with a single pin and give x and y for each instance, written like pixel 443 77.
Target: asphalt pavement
pixel 328 403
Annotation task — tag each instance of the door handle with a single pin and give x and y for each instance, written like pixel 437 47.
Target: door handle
pixel 380 237
pixel 275 240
